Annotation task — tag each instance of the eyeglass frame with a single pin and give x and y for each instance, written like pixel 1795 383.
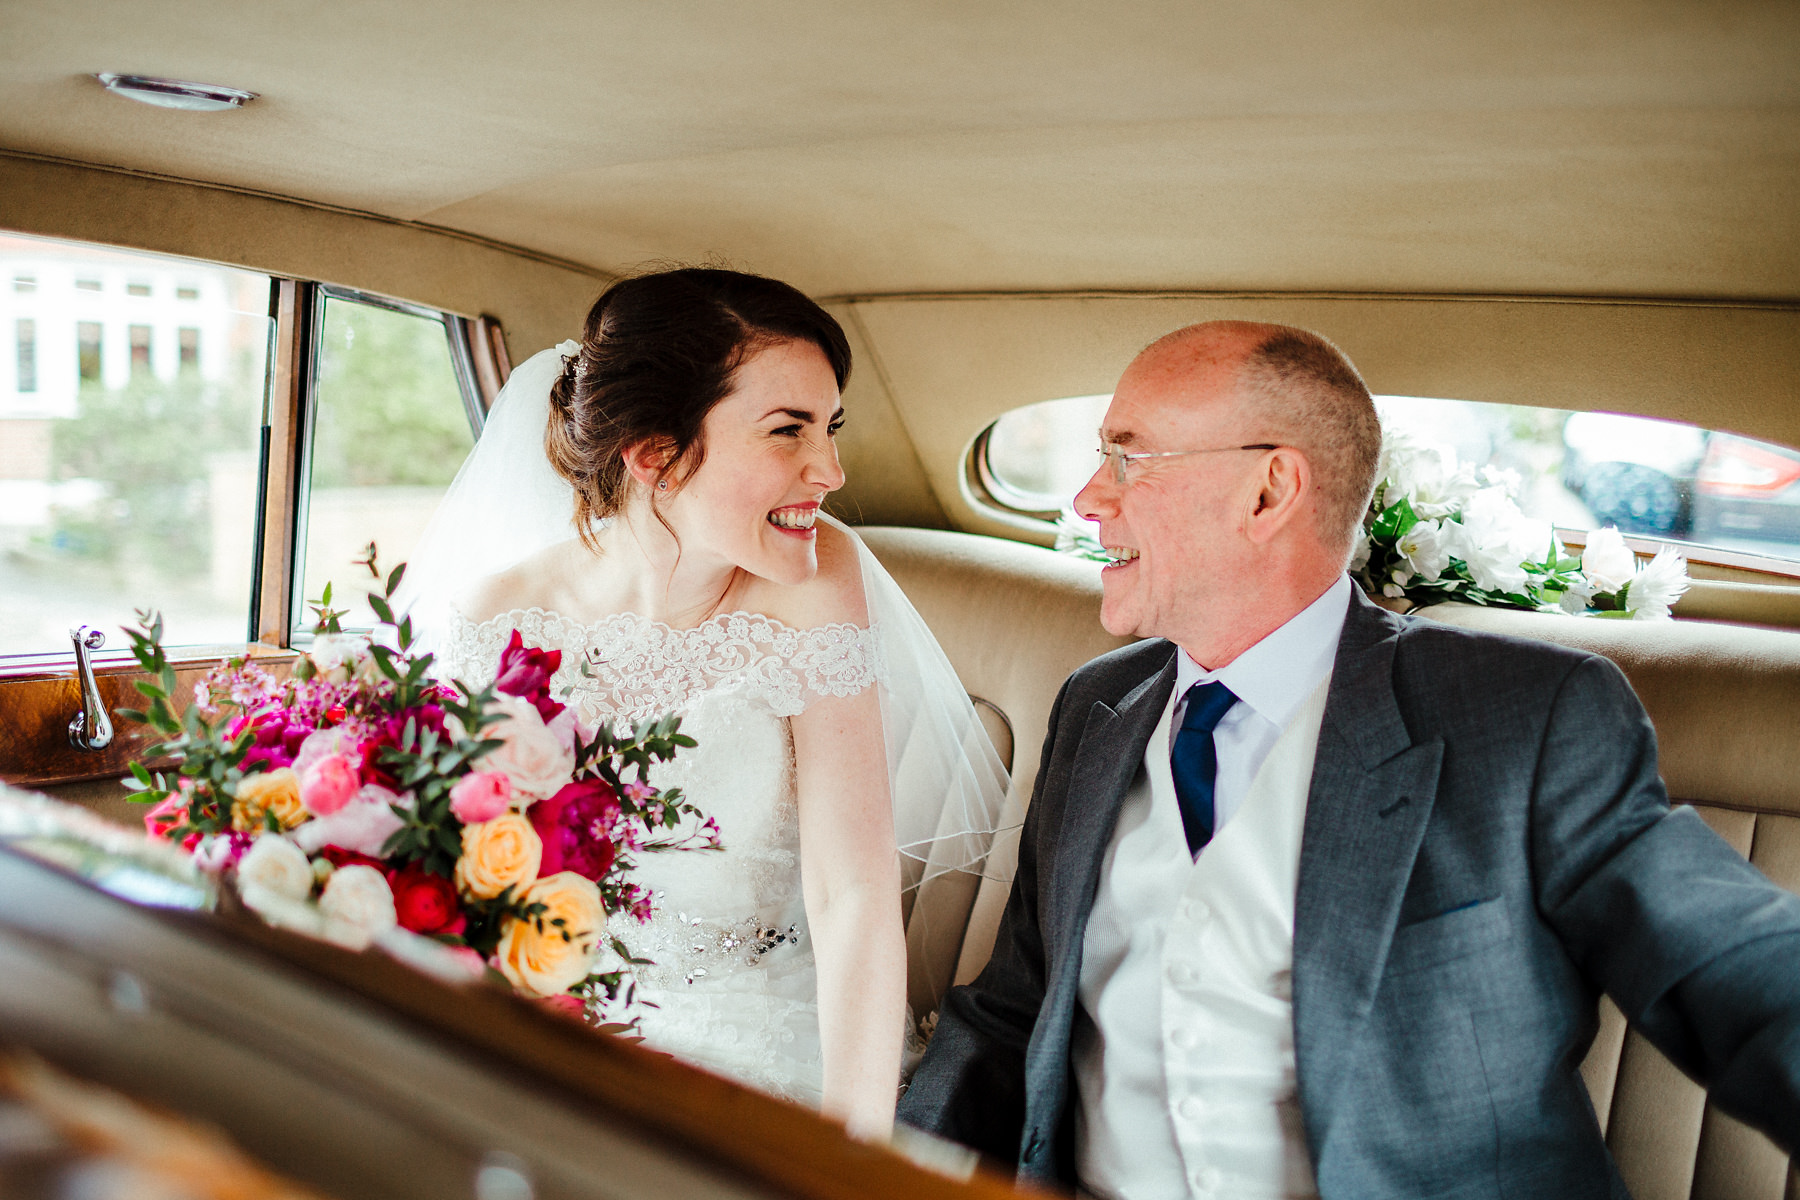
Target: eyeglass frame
pixel 1115 454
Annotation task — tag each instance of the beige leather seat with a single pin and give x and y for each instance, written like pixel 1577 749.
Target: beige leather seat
pixel 1015 620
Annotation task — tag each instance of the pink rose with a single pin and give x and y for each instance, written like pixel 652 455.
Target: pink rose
pixel 321 743
pixel 328 785
pixel 168 819
pixel 565 1005
pixel 363 825
pixel 481 796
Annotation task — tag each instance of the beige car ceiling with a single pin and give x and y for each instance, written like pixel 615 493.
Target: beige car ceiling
pixel 514 155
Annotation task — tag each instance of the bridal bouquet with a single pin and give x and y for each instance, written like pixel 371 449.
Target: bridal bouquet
pixel 1439 530
pixel 358 796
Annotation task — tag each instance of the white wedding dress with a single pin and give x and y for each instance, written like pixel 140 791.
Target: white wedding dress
pixel 733 982
pixel 733 987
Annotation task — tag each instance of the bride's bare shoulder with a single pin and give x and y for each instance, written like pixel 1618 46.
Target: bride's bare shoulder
pixel 833 596
pixel 535 582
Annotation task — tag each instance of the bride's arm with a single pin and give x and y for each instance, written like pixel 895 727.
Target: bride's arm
pixel 851 879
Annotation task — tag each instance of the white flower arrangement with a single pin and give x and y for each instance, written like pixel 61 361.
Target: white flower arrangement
pixel 1439 530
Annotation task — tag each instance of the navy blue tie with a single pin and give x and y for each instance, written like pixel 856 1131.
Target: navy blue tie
pixel 1195 763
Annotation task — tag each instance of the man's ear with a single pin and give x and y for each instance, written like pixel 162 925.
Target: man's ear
pixel 647 462
pixel 1283 482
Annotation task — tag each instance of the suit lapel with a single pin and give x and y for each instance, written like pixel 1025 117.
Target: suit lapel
pixel 1111 750
pixel 1371 796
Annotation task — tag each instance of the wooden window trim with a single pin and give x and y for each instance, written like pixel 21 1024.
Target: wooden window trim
pixel 294 306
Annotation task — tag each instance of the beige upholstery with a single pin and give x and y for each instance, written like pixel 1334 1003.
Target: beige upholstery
pixel 1015 620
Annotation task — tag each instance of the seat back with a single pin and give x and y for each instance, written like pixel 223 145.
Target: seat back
pixel 1725 700
pixel 1015 620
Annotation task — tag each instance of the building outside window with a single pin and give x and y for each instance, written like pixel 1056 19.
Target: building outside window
pixel 140 349
pixel 87 350
pixel 128 444
pixel 27 356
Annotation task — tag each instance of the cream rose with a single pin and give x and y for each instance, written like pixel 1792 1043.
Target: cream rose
pixel 275 791
pixel 358 906
pixel 550 953
pixel 337 656
pixel 278 865
pixel 1607 561
pixel 498 854
pixel 537 761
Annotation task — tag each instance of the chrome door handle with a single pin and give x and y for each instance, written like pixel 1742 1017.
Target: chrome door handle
pixel 91 728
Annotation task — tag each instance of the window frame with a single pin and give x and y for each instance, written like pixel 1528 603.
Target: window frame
pixel 457 330
pixel 39 692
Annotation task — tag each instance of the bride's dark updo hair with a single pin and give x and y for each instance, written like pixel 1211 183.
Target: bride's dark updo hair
pixel 657 353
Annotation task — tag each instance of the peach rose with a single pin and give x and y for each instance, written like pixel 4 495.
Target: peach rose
pixel 276 791
pixel 533 756
pixel 498 854
pixel 548 954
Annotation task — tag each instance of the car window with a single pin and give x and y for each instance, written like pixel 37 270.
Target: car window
pixel 1579 470
pixel 391 425
pixel 131 396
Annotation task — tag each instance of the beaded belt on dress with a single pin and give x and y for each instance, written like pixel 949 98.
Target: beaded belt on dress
pixel 676 938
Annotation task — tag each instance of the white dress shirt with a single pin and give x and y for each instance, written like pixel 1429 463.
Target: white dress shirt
pixel 1183 1044
pixel 1271 680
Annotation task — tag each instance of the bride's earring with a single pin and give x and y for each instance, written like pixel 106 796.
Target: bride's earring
pixel 662 485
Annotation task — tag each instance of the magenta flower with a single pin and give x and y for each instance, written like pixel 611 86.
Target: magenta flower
pixel 576 827
pixel 525 672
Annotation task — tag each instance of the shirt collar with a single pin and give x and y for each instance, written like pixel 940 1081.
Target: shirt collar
pixel 1276 675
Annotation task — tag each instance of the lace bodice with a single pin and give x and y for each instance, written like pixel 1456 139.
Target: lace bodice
pixel 638 667
pixel 733 985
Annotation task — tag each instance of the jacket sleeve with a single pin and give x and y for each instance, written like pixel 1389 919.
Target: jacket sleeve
pixel 1698 948
pixel 970 1087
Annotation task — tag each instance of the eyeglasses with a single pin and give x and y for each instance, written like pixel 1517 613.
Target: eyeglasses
pixel 1116 457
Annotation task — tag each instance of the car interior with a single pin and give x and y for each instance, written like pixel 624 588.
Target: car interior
pixel 1584 208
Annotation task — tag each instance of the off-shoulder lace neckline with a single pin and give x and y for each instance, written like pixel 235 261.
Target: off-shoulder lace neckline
pixel 501 619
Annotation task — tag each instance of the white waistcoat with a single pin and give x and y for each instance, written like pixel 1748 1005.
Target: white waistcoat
pixel 1184 1045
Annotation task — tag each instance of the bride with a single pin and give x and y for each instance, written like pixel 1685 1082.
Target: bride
pixel 647 501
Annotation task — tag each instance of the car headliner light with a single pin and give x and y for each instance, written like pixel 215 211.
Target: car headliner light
pixel 175 93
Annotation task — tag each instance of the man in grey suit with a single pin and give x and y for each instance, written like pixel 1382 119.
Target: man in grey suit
pixel 1474 844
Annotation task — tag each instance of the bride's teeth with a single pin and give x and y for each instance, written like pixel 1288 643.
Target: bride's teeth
pixel 797 518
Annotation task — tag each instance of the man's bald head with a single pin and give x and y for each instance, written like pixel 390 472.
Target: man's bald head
pixel 1296 389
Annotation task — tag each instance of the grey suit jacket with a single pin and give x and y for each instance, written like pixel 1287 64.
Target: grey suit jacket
pixel 1487 846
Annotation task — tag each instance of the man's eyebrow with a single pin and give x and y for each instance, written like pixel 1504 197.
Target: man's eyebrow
pixel 1122 437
